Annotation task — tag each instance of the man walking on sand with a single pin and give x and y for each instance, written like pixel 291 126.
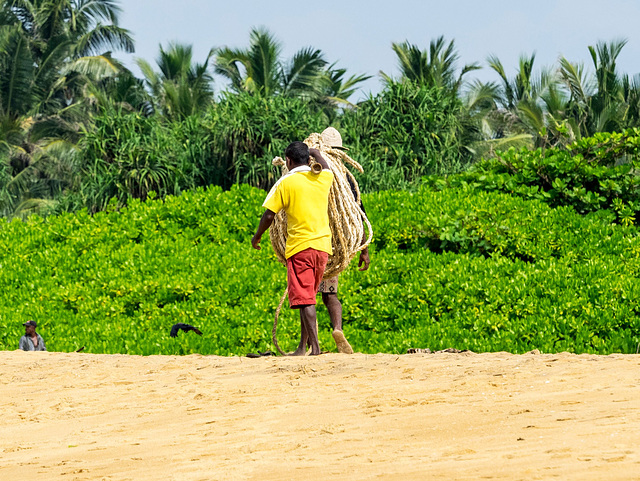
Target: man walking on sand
pixel 304 196
pixel 329 287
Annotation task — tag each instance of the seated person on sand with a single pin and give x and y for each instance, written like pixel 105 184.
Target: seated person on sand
pixel 31 341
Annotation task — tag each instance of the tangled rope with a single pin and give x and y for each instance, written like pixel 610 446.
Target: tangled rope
pixel 346 218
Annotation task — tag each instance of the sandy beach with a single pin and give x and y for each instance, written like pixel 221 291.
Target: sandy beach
pixel 462 416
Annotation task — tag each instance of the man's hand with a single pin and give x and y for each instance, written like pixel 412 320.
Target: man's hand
pixel 255 242
pixel 265 222
pixel 315 153
pixel 364 260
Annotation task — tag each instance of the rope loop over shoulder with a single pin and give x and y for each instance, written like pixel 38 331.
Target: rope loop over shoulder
pixel 346 219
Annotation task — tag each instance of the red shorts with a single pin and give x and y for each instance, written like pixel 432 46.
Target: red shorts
pixel 304 274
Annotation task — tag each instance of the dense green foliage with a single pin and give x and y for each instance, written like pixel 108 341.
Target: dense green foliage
pixel 59 84
pixel 458 268
pixel 403 133
pixel 595 174
pixel 55 55
pixel 117 281
pixel 129 155
pixel 154 183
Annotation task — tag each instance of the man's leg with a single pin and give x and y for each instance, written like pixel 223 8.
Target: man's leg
pixel 309 331
pixel 304 339
pixel 334 307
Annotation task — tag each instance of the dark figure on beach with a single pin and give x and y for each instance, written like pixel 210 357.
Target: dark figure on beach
pixel 184 327
pixel 31 341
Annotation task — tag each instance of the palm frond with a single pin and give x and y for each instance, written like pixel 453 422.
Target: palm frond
pixel 303 72
pixel 508 94
pixel 443 61
pixel 413 63
pixel 465 70
pixel 576 80
pixel 481 96
pixel 263 68
pixel 337 88
pixel 489 148
pixel 524 83
pixel 53 128
pixel 103 38
pixel 16 72
pixel 107 10
pixel 33 206
pixel 227 64
pixel 175 62
pixel 532 115
pixel 555 99
pixel 96 67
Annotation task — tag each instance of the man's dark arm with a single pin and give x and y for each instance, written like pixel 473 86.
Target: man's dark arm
pixel 265 222
pixel 364 260
pixel 315 153
pixel 355 193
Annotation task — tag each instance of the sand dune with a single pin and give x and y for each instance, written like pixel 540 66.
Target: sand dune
pixel 464 416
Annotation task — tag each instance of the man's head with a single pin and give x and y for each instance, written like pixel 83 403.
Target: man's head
pixel 30 327
pixel 332 138
pixel 297 154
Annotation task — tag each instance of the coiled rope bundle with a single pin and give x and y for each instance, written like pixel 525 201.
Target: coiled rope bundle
pixel 346 218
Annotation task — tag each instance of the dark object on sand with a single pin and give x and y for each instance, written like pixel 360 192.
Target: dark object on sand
pixel 414 350
pixel 253 355
pixel 451 350
pixel 185 327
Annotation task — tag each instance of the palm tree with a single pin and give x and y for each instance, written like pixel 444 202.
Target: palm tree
pixel 610 93
pixel 66 34
pixel 255 70
pixel 598 103
pixel 302 76
pixel 335 91
pixel 529 109
pixel 522 87
pixel 435 67
pixel 181 88
pixel 50 51
pixel 487 127
pixel 631 89
pixel 259 70
pixel 125 92
pixel 339 89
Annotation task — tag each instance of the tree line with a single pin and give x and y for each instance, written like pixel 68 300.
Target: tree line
pixel 79 130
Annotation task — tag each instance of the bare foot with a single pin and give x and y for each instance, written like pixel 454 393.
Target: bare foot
pixel 343 345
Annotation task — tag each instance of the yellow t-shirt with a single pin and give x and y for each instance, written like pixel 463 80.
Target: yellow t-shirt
pixel 304 196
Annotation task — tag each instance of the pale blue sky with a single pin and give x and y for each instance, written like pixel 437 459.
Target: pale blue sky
pixel 358 34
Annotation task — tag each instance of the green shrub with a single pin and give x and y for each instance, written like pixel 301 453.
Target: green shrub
pixel 457 268
pixel 248 131
pixel 593 174
pixel 125 156
pixel 128 155
pixel 404 133
pixel 490 224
